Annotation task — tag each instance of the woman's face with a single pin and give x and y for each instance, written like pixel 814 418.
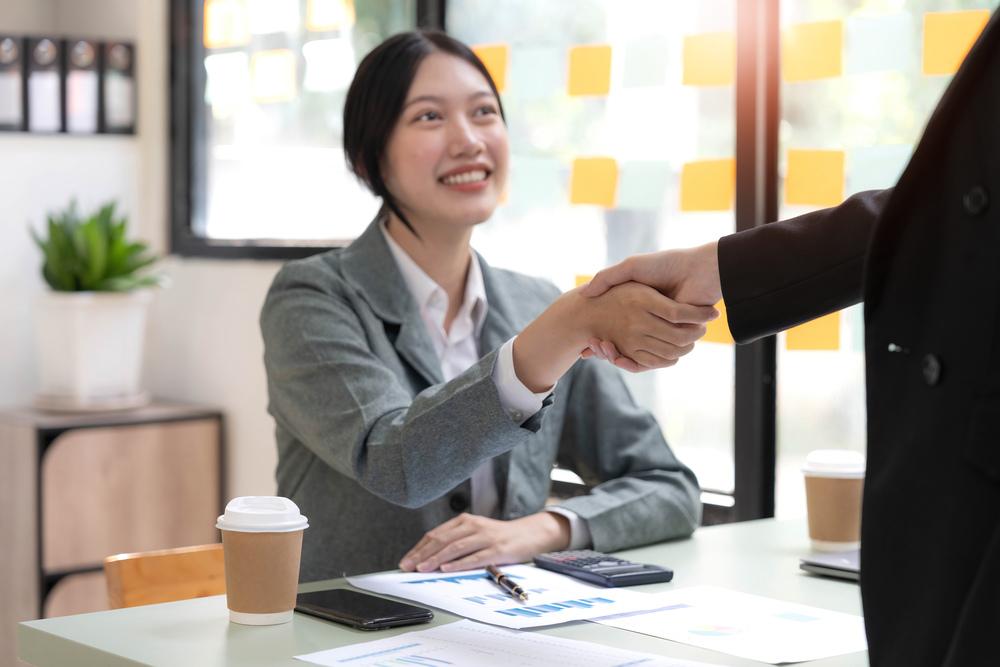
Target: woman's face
pixel 446 161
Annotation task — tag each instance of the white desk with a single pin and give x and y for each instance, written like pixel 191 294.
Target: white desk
pixel 759 557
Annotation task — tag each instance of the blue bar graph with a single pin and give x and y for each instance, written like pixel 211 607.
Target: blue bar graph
pixel 399 660
pixel 418 660
pixel 500 597
pixel 372 655
pixel 457 579
pixel 537 611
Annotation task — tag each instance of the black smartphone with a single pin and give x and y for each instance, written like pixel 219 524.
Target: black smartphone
pixel 359 610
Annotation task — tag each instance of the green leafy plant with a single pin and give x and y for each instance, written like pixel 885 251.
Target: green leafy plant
pixel 92 253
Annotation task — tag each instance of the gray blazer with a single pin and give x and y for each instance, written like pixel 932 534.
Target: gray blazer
pixel 376 449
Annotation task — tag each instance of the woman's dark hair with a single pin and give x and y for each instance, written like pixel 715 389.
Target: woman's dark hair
pixel 376 97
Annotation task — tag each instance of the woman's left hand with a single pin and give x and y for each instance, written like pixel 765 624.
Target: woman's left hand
pixel 469 541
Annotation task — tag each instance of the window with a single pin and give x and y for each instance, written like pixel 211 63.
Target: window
pixel 259 168
pixel 859 81
pixel 634 125
pixel 622 137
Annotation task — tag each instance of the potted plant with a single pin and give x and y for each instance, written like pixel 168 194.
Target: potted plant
pixel 91 324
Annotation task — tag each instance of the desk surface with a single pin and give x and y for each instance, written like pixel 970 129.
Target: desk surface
pixel 759 557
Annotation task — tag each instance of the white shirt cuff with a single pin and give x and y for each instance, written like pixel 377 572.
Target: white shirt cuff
pixel 579 532
pixel 517 400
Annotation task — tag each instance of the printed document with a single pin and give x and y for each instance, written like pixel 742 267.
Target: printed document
pixel 747 626
pixel 470 643
pixel 552 598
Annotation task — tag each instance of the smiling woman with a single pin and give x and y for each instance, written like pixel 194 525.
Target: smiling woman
pixel 450 119
pixel 404 394
pixel 457 132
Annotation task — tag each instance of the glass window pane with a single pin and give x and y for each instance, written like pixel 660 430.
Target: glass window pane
pixel 276 74
pixel 859 82
pixel 622 131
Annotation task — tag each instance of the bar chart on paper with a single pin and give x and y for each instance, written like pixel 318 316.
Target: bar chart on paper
pixel 552 598
pixel 469 643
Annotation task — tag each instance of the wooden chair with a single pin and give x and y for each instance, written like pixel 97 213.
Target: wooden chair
pixel 149 577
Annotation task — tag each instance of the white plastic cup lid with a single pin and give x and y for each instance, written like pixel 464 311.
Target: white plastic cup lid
pixel 835 463
pixel 262 514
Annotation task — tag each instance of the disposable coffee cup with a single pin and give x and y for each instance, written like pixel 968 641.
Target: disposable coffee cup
pixel 262 544
pixel 835 481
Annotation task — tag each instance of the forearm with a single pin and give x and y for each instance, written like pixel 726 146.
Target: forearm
pixel 553 531
pixel 641 509
pixel 785 273
pixel 405 450
pixel 699 267
pixel 413 456
pixel 551 344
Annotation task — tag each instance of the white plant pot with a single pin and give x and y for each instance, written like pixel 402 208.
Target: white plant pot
pixel 90 349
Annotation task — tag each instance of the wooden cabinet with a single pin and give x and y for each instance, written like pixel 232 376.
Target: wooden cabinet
pixel 75 488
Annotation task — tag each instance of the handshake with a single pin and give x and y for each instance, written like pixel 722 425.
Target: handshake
pixel 666 299
pixel 644 313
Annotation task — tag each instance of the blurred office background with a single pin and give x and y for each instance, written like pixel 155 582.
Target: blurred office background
pixel 623 122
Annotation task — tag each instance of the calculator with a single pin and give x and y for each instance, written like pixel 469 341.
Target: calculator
pixel 602 569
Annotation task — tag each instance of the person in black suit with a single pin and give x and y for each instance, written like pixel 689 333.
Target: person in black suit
pixel 925 258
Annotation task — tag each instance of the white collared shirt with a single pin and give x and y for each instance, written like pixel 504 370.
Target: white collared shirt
pixel 458 350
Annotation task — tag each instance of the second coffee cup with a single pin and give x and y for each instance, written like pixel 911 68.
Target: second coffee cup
pixel 262 544
pixel 834 485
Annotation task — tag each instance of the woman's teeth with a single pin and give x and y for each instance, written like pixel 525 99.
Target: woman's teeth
pixel 465 177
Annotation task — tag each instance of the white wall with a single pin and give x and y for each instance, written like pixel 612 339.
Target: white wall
pixel 26 16
pixel 203 344
pixel 38 174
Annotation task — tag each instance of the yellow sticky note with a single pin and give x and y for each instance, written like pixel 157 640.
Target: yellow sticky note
pixel 326 15
pixel 948 36
pixel 815 178
pixel 709 59
pixel 225 24
pixel 495 57
pixel 594 181
pixel 717 330
pixel 273 75
pixel 708 185
pixel 823 333
pixel 589 70
pixel 583 279
pixel 812 51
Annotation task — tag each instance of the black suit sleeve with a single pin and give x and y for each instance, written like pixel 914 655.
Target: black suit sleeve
pixel 786 273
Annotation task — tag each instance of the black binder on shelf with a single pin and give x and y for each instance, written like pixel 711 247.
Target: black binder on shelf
pixel 13 101
pixel 45 85
pixel 82 92
pixel 118 110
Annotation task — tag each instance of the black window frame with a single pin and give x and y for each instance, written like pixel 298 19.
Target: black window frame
pixel 757 116
pixel 188 145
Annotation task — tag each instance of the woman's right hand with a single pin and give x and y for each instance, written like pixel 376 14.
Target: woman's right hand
pixel 690 275
pixel 634 318
pixel 644 325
